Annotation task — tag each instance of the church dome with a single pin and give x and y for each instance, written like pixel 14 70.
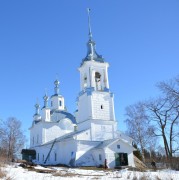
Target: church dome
pixel 58 115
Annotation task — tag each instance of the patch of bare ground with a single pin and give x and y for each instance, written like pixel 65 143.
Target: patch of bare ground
pixel 96 168
pixel 3 174
pixel 31 167
pixel 63 173
pixel 42 170
pixel 91 168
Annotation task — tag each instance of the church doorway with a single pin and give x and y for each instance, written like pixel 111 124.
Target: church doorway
pixel 121 159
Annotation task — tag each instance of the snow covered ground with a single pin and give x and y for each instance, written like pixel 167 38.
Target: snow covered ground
pixel 55 173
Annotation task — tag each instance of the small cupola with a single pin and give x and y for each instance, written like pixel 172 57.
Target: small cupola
pixel 37 116
pixel 46 109
pixel 45 101
pixel 57 100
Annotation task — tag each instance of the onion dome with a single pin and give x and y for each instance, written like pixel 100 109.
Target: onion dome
pixel 45 101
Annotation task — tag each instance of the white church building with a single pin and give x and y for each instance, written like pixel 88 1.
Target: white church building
pixel 89 137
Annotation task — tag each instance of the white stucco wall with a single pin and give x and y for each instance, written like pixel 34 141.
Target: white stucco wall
pixel 55 130
pixel 44 132
pixel 101 131
pixel 84 155
pixel 97 154
pixel 99 105
pixel 62 149
pixel 45 114
pixel 36 135
pixel 86 135
pixel 124 148
pixel 84 108
pixel 101 99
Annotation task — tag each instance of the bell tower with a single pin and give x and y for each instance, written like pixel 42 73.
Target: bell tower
pixel 95 101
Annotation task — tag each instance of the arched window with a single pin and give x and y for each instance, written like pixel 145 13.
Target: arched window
pixel 98 81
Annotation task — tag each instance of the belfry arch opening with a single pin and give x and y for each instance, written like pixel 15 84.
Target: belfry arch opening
pixel 98 81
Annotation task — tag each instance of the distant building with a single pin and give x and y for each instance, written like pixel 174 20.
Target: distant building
pixel 90 137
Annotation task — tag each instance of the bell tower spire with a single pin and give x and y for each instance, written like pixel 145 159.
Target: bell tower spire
pixel 92 55
pixel 89 24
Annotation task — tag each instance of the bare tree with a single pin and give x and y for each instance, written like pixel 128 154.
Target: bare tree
pixel 139 127
pixel 164 112
pixel 170 88
pixel 12 137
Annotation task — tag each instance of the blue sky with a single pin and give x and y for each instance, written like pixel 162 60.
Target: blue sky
pixel 42 38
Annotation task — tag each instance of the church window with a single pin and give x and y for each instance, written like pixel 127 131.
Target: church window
pixel 51 103
pixel 102 107
pixel 55 156
pixel 33 140
pixel 49 157
pixel 37 139
pixel 98 81
pixel 100 157
pixel 118 146
pixel 85 81
pixel 60 103
pixel 38 156
pixel 43 157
